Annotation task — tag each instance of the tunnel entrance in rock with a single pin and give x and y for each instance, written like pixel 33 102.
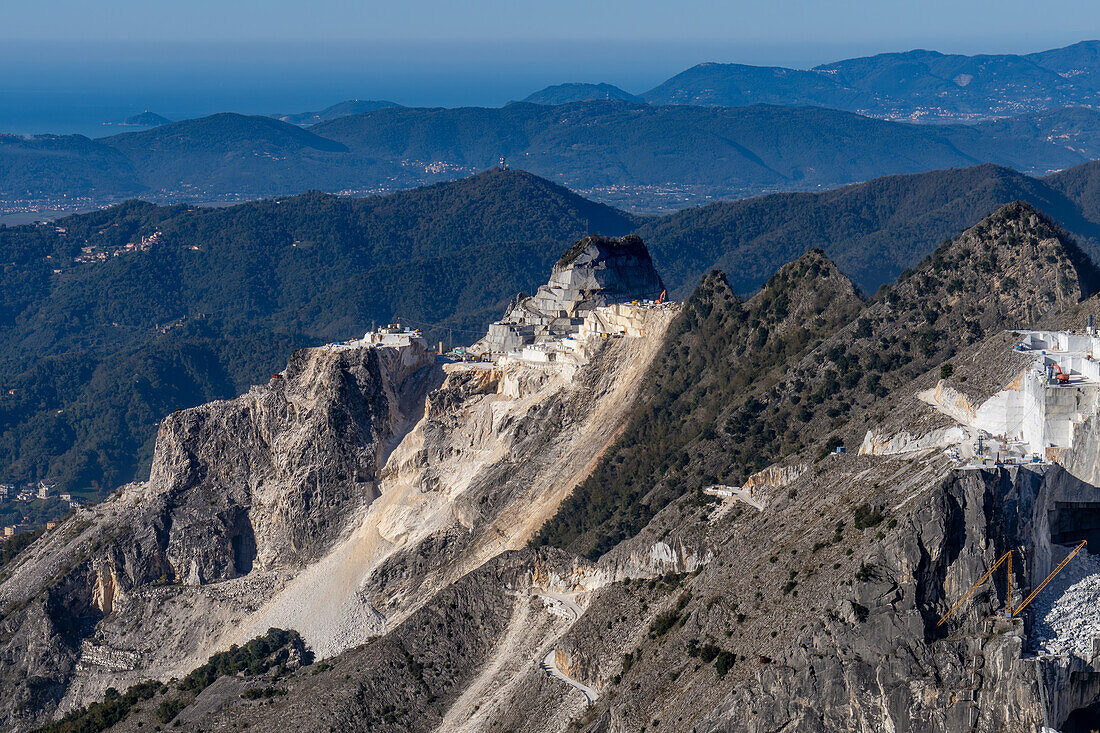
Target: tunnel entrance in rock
pixel 1083 720
pixel 1073 521
pixel 243 543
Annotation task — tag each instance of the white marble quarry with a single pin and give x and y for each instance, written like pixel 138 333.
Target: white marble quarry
pixel 621 319
pixel 1036 416
pixel 394 336
pixel 594 274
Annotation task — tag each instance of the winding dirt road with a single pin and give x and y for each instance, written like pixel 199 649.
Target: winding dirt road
pixel 564 604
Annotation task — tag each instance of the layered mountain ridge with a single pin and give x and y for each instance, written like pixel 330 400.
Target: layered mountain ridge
pixel 89 391
pixel 917 84
pixel 643 157
pixel 689 617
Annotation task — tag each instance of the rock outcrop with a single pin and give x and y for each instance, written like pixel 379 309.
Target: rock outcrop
pixel 594 272
pixel 335 500
pixel 258 485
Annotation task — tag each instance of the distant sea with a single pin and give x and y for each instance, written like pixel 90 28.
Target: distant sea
pixel 74 88
pixel 98 113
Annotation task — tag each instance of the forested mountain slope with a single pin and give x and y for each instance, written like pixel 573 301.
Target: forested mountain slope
pixel 871 230
pixel 727 152
pixel 214 299
pixel 634 155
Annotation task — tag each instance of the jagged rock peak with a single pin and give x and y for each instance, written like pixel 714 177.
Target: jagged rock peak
pixel 815 270
pixel 596 271
pixel 1016 257
pixel 803 291
pixel 714 287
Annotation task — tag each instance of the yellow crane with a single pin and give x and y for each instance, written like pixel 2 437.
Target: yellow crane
pixel 1054 572
pixel 1010 612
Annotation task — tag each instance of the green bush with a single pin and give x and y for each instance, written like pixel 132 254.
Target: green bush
pixel 865 516
pixel 169 709
pixel 255 657
pixel 663 623
pixel 724 662
pixel 99 716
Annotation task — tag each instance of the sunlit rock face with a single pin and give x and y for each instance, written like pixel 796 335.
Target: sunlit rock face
pixel 594 272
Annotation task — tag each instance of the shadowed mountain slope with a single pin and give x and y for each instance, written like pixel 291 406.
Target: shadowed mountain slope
pixel 743 386
pixel 871 230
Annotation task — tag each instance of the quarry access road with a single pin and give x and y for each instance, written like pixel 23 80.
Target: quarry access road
pixel 550 665
pixel 564 604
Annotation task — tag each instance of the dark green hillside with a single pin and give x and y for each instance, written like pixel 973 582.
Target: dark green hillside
pixel 871 230
pixel 146 119
pixel 340 109
pixel 87 418
pixel 1081 185
pixel 735 85
pixel 587 144
pixel 648 157
pixel 1081 61
pixel 579 92
pixel 100 352
pixel 716 151
pixel 63 166
pixel 244 155
pixel 227 130
pixel 956 83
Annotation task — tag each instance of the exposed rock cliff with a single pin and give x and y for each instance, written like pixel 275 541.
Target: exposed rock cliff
pixel 335 500
pixel 594 272
pixel 253 486
pixel 825 603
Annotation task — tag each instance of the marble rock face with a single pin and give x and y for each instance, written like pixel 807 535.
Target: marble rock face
pixel 594 272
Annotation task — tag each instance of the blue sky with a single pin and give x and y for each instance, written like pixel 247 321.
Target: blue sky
pixel 965 25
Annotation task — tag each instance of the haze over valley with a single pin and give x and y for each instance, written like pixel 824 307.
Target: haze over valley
pixel 713 132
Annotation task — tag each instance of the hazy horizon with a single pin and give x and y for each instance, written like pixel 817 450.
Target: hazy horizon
pixel 66 87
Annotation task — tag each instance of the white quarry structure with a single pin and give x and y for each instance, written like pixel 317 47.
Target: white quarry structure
pixel 1032 420
pixel 600 288
pixel 775 476
pixel 1041 409
pixel 393 336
